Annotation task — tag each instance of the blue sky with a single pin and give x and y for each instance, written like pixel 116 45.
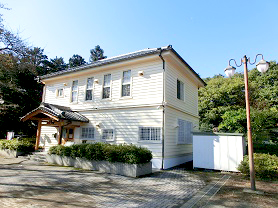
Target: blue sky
pixel 205 33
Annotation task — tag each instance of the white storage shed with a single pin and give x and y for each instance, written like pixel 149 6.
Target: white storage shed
pixel 218 151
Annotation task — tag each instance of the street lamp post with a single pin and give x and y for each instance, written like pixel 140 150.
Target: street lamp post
pixel 262 66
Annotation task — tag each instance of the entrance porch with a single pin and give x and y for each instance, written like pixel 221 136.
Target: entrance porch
pixel 62 118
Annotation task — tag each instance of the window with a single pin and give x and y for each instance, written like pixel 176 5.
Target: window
pixel 74 91
pixel 108 134
pixel 180 90
pixel 60 93
pixel 87 133
pixel 184 132
pixel 89 90
pixel 106 86
pixel 126 83
pixel 149 133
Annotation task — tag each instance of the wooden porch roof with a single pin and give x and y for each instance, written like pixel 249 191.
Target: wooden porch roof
pixel 53 112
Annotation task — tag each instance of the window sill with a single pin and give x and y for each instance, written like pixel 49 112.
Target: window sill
pixel 106 99
pixel 87 139
pixel 150 142
pixel 108 140
pixel 89 101
pixel 126 97
pixel 183 143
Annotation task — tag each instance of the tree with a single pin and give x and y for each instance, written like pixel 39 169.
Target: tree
pixel 19 91
pixel 57 64
pixel 10 42
pixel 97 54
pixel 222 104
pixel 39 60
pixel 76 60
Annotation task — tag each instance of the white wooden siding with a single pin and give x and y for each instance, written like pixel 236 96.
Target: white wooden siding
pixel 190 103
pixel 145 90
pixel 171 148
pixel 125 123
pixel 47 139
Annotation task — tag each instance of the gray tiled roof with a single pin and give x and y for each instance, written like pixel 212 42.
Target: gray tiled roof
pixel 119 58
pixel 61 112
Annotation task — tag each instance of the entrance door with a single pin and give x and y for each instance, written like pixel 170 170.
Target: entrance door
pixel 67 135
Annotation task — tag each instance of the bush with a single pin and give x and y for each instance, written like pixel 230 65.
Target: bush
pixel 271 149
pixel 20 146
pixel 31 140
pixel 101 151
pixel 266 166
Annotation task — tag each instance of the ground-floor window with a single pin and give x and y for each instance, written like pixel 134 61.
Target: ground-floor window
pixel 108 134
pixel 88 133
pixel 184 132
pixel 149 133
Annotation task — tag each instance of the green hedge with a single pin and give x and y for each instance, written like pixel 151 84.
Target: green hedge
pixel 20 146
pixel 271 149
pixel 266 166
pixel 126 153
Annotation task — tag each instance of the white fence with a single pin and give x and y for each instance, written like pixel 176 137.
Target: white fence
pixel 218 151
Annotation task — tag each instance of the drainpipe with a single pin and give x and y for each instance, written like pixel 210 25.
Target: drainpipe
pixel 163 105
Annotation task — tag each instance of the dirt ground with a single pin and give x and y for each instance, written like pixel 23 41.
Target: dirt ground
pixel 232 194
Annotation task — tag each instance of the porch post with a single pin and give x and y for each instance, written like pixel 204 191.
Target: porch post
pixel 60 134
pixel 38 136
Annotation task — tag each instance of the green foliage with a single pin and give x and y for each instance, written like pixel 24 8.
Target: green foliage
pixel 102 151
pixel 20 146
pixel 31 140
pixel 222 104
pixel 271 149
pixel 76 60
pixel 97 54
pixel 266 166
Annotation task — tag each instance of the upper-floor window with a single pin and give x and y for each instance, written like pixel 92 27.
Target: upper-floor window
pixel 126 83
pixel 60 92
pixel 180 90
pixel 89 89
pixel 106 86
pixel 74 91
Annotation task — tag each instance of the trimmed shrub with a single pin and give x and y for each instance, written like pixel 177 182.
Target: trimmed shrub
pixel 102 151
pixel 53 150
pixel 266 166
pixel 20 146
pixel 31 140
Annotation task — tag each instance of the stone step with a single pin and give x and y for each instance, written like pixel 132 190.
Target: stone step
pixel 37 156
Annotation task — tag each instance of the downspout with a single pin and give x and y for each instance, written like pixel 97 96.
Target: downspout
pixel 163 105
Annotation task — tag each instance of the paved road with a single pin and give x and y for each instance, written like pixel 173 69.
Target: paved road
pixel 24 183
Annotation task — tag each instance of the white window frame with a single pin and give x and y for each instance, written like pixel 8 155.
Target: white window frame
pixel 71 92
pixel 110 86
pixel 108 140
pixel 92 89
pixel 151 129
pixel 184 132
pixel 181 90
pixel 86 137
pixel 127 83
pixel 57 93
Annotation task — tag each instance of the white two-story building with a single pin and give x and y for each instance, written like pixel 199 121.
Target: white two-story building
pixel 147 98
